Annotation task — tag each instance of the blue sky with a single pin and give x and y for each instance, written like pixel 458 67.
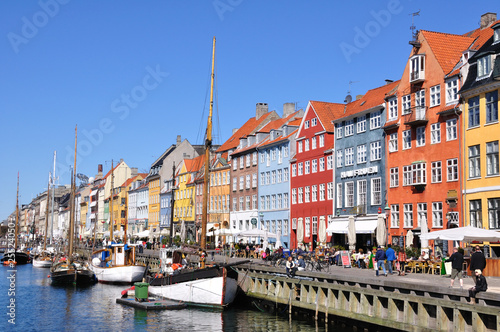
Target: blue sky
pixel 135 74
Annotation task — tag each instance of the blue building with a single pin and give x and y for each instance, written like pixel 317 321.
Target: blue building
pixel 274 177
pixel 359 172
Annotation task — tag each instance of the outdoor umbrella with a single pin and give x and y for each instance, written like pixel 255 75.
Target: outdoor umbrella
pixel 351 234
pixel 322 230
pixel 409 239
pixel 183 231
pixel 381 231
pixel 464 234
pixel 424 242
pixel 300 231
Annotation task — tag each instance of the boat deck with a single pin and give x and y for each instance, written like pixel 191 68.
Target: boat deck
pixel 152 304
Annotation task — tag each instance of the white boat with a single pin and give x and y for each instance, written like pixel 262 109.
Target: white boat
pixel 116 264
pixel 42 260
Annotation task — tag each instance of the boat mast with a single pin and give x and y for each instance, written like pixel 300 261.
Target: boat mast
pixel 17 213
pixel 172 205
pixel 111 205
pixel 208 145
pixel 46 217
pixel 53 195
pixel 72 206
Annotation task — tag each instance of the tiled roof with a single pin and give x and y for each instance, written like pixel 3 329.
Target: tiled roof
pixel 370 99
pixel 139 176
pixel 447 48
pixel 481 35
pixel 327 112
pixel 248 128
pixel 195 164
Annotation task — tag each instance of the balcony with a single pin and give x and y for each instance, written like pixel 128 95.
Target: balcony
pixel 417 76
pixel 416 117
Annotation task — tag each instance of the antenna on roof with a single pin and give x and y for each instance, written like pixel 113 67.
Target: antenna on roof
pixel 348 98
pixel 414 31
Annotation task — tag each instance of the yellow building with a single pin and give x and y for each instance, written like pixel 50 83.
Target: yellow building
pixel 218 203
pixel 481 133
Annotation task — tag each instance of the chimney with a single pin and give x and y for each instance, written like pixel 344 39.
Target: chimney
pixel 487 19
pixel 261 109
pixel 288 108
pixel 133 171
pixel 358 97
pixel 388 82
pixel 99 168
pixel 234 131
pixel 178 140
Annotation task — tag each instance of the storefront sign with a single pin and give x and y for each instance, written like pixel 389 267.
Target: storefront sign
pixel 361 171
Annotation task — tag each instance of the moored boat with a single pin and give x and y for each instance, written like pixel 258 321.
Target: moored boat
pixel 117 264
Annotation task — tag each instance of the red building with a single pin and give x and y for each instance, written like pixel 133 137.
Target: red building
pixel 312 187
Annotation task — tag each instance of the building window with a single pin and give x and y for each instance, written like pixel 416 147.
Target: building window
pixel 494 213
pixel 329 191
pixel 314 165
pixel 314 122
pixel 254 180
pixel 375 151
pixel 306 124
pixel 285 150
pixel 285 200
pixel 349 128
pixel 294 196
pixel 435 95
pixel 406 100
pixel 241 204
pixel 300 169
pixel 484 66
pixel 307 227
pixel 407 175
pixel 422 215
pixel 376 119
pixel 474 162
pixel 307 167
pixel 420 136
pixel 417 67
pixel 315 225
pixel 301 195
pixel 242 161
pixel 313 143
pixel 242 183
pixel 452 169
pixel 285 175
pixel 349 194
pixel 451 129
pixel 394 177
pixel 361 124
pixel 393 142
pixel 437 214
pixel 262 157
pixel 268 158
pixel 247 181
pixel 329 162
pixel 339 158
pixel 339 131
pixel 496 36
pixel 473 112
pixel 321 140
pixel 306 145
pixel 420 104
pixel 361 154
pixel 268 177
pixel 406 139
pixel 349 156
pixel 408 215
pixel 322 192
pixel 247 160
pixel 307 194
pixel 247 201
pixel 279 176
pixel 492 158
pixel 436 172
pixel 419 173
pixel 254 158
pixel 362 195
pixel 376 191
pixel 321 164
pixel 235 180
pixel 339 195
pixel 273 202
pixel 393 109
pixel 452 91
pixel 395 216
pixel 273 177
pixel 314 193
pixel 475 213
pixel 492 106
pixel 294 170
pixel 435 133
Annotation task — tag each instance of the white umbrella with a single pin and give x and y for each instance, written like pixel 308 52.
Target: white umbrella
pixel 300 231
pixel 424 242
pixel 322 230
pixel 351 234
pixel 183 231
pixel 409 239
pixel 257 232
pixel 143 233
pixel 464 234
pixel 381 231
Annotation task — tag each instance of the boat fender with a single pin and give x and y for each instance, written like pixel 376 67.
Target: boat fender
pixel 175 266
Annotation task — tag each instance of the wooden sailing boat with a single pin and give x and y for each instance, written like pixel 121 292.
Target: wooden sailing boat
pixel 12 255
pixel 70 269
pixel 208 286
pixel 117 262
pixel 44 258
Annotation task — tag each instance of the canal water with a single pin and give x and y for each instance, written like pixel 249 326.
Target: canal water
pixel 39 306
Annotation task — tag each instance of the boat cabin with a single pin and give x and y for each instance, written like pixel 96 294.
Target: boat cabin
pixel 114 255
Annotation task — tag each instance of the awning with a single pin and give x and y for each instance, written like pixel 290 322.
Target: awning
pixel 93 192
pixel 93 203
pixel 338 227
pixel 92 216
pixel 366 226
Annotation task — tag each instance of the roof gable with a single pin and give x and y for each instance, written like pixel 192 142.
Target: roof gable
pixel 325 112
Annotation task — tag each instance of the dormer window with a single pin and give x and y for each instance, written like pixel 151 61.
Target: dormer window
pixel 496 33
pixel 314 122
pixel 306 124
pixel 417 68
pixel 484 66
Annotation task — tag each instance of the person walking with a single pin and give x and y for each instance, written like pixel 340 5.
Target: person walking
pixel 457 262
pixel 391 257
pixel 481 286
pixel 477 262
pixel 380 259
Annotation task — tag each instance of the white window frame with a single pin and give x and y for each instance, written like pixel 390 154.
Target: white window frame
pixel 492 160
pixel 395 216
pixel 408 215
pixel 321 140
pixel 349 128
pixel 452 91
pixel 484 67
pixel 375 151
pixel 349 156
pixel 451 129
pixel 406 139
pixel 393 142
pixel 349 194
pixel 474 155
pixel 406 101
pixel 339 158
pixel 361 124
pixel 437 214
pixel 452 169
pixel 361 154
pixel 376 191
pixel 393 108
pixel 435 92
pixel 420 137
pixel 435 133
pixel 394 177
pixel 339 195
pixel 436 172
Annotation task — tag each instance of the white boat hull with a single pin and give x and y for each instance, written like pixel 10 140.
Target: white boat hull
pixel 119 274
pixel 42 263
pixel 216 292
